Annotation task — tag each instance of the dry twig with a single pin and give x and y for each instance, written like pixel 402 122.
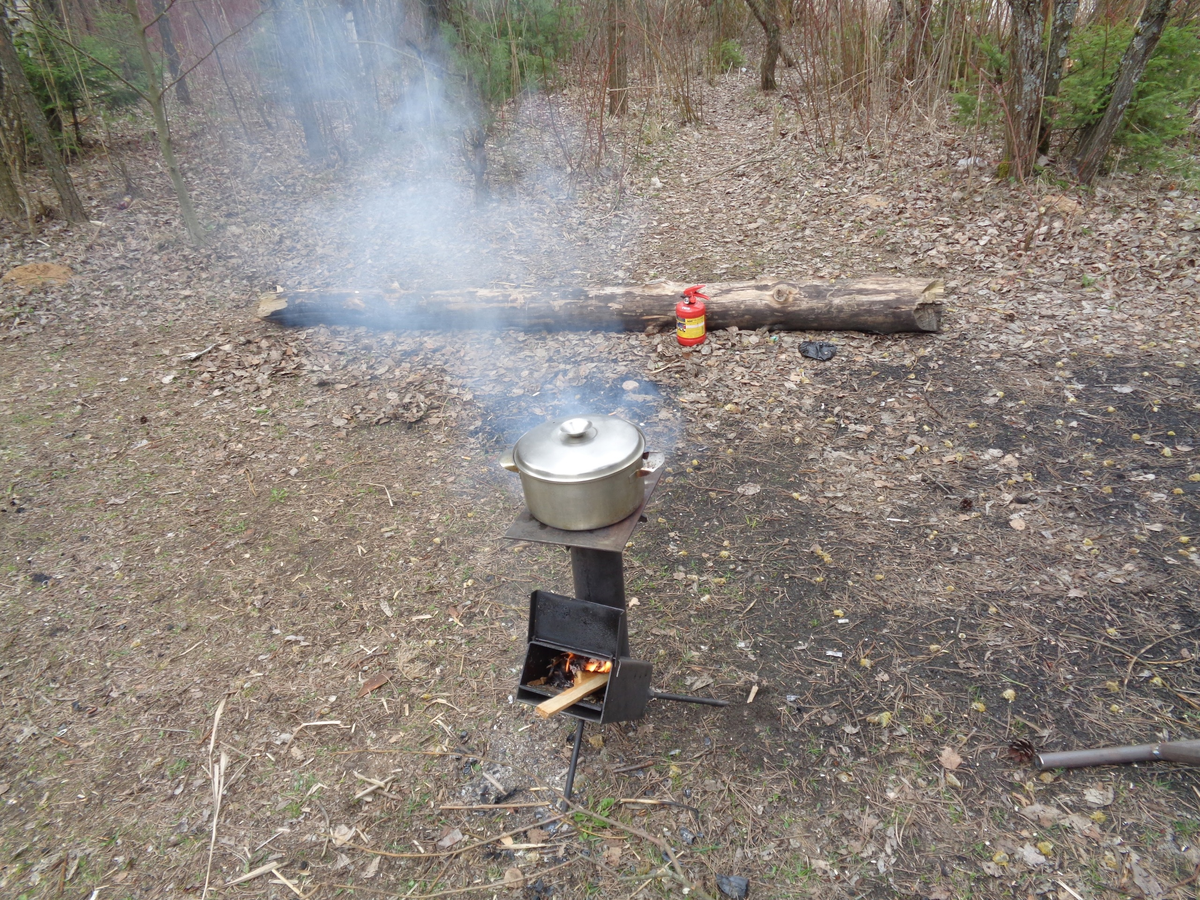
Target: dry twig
pixel 216 773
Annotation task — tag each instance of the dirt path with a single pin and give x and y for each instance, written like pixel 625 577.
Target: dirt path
pixel 895 564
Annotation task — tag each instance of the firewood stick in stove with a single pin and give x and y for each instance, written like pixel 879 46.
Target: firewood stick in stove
pixel 591 681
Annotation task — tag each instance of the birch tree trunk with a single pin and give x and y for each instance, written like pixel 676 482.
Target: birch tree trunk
pixel 1095 139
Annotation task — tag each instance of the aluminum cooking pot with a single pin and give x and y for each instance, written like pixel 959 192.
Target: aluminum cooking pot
pixel 582 472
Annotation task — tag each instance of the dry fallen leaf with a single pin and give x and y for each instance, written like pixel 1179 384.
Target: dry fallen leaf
pixel 514 879
pixel 1044 815
pixel 372 867
pixel 1100 795
pixel 1031 856
pixel 949 758
pixel 450 839
pixel 373 683
pixel 1148 884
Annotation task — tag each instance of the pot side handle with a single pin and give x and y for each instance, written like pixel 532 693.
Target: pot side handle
pixel 651 464
pixel 507 462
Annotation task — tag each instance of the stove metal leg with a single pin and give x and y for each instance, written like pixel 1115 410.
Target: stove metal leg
pixel 570 785
pixel 688 698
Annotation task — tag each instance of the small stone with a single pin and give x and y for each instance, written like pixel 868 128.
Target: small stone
pixel 733 886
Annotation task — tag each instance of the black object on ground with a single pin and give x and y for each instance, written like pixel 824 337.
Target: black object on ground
pixel 819 350
pixel 733 886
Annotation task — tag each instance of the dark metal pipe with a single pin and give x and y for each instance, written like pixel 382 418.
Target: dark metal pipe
pixel 1187 752
pixel 600 578
pixel 688 698
pixel 570 785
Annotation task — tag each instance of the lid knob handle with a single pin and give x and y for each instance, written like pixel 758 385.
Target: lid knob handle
pixel 576 428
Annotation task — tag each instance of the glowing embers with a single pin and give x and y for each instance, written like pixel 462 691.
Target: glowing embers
pixel 566 670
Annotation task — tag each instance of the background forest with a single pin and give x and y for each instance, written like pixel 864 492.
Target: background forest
pixel 1058 83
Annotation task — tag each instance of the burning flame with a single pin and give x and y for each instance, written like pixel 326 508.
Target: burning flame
pixel 575 665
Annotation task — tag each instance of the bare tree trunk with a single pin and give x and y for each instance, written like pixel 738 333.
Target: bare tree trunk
pixel 1056 58
pixel 618 60
pixel 154 97
pixel 216 52
pixel 35 121
pixel 293 50
pixel 11 206
pixel 897 16
pixel 1025 84
pixel 1095 139
pixel 367 52
pixel 918 41
pixel 171 52
pixel 768 17
pixel 474 148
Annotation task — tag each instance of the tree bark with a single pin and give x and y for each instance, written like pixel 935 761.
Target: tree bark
pixel 171 51
pixel 768 17
pixel 11 206
pixel 154 97
pixel 1095 139
pixel 618 60
pixel 1056 58
pixel 877 305
pixel 294 50
pixel 216 52
pixel 918 41
pixel 1026 82
pixel 35 121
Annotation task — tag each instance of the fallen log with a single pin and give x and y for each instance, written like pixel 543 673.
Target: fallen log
pixel 880 305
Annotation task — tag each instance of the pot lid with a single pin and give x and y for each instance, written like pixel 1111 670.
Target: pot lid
pixel 579 448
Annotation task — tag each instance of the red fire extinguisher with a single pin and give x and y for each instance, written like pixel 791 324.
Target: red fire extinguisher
pixel 689 317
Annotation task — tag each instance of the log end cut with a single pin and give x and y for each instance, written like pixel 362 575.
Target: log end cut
pixel 927 312
pixel 270 304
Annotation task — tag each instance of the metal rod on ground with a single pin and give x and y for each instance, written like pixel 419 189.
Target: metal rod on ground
pixel 1186 752
pixel 569 787
pixel 688 698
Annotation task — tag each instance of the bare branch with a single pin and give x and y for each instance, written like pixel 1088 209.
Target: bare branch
pixel 186 72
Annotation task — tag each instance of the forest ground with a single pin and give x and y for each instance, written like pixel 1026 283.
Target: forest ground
pixel 285 553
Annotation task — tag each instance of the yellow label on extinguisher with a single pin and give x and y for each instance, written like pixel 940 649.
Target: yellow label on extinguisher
pixel 689 328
